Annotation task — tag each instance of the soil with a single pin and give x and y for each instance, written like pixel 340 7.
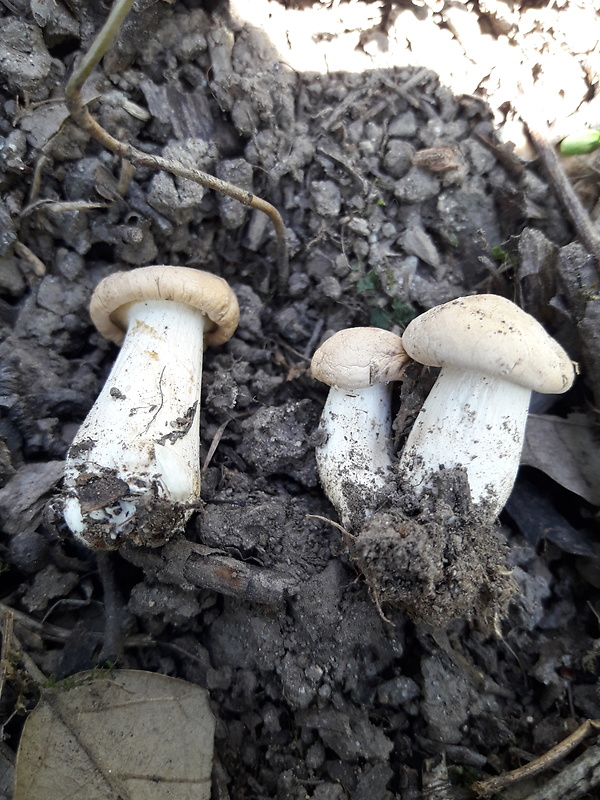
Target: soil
pixel 333 673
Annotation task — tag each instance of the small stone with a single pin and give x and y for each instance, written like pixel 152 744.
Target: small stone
pixel 239 172
pixel 416 186
pixel 315 756
pixel 69 264
pixel 405 125
pixel 327 198
pixel 299 283
pixel 49 584
pixel 397 691
pixel 416 242
pixel 28 551
pixel 331 287
pixel 24 58
pixel 398 157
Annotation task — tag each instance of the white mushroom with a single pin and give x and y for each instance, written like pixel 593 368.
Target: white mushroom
pixel 492 356
pixel 354 458
pixel 133 470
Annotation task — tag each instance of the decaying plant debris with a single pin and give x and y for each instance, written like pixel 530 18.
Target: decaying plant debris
pixel 316 693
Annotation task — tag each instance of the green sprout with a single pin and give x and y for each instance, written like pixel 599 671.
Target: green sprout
pixel 400 314
pixel 577 144
pixel 368 283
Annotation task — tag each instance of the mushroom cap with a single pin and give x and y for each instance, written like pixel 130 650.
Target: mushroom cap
pixel 356 358
pixel 202 290
pixel 489 334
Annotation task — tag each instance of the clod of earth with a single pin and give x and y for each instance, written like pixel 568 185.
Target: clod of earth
pixel 492 356
pixel 436 555
pixel 133 470
pixel 354 460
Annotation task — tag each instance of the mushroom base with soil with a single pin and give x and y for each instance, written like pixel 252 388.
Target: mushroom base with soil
pixel 132 471
pixel 473 421
pixel 436 556
pixel 354 460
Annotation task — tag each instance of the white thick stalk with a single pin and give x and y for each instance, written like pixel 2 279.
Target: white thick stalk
pixel 354 461
pixel 474 421
pixel 144 426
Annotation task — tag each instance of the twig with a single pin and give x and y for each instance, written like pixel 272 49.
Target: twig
pixel 137 158
pixel 183 562
pixel 37 265
pixel 563 187
pixel 28 663
pixel 52 633
pixel 214 444
pixel 333 524
pixel 114 635
pixel 576 780
pixel 562 749
pixel 7 637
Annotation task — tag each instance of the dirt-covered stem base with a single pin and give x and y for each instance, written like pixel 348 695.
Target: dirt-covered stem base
pixel 138 449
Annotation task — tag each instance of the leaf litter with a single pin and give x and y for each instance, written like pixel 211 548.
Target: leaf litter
pixel 126 735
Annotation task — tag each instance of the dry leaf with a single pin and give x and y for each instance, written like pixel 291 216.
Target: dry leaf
pixel 23 498
pixel 532 510
pixel 566 450
pixel 125 736
pixel 7 769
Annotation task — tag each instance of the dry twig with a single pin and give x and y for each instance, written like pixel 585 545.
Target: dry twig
pixel 137 158
pixel 544 762
pixel 562 185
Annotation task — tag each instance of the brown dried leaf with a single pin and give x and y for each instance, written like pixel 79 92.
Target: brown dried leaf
pixel 567 450
pixel 130 735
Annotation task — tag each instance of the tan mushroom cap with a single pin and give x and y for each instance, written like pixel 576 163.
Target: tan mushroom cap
pixel 490 334
pixel 202 290
pixel 356 358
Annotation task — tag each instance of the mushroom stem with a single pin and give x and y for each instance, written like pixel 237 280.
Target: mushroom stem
pixel 140 443
pixel 354 461
pixel 472 420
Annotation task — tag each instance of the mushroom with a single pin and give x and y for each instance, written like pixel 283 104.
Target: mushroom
pixel 133 469
pixel 354 459
pixel 492 356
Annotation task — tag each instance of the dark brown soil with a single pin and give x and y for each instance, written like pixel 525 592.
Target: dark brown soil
pixel 327 682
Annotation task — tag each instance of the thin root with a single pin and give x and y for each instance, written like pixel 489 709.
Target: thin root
pixel 137 158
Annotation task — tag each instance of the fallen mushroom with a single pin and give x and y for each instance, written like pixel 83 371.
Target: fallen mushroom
pixel 354 458
pixel 492 356
pixel 133 469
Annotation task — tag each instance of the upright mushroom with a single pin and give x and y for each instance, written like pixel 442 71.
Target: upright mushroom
pixel 492 356
pixel 133 471
pixel 354 459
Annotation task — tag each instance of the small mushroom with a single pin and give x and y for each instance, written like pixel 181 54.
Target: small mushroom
pixel 133 469
pixel 354 458
pixel 492 356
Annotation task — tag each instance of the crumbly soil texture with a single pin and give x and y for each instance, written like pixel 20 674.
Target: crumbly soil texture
pixel 431 650
pixel 436 556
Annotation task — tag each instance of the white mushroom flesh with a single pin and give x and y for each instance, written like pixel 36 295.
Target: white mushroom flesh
pixel 474 421
pixel 144 424
pixel 354 460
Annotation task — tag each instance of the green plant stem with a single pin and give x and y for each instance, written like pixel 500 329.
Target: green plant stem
pixel 559 180
pixel 84 119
